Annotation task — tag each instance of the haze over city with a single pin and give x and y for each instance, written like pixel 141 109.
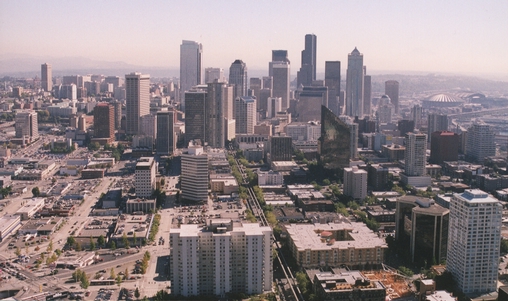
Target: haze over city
pixel 457 37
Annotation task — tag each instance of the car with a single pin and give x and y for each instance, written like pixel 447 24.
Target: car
pixel 119 266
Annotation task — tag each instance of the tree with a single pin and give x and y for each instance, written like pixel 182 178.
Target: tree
pixel 71 240
pixel 118 280
pixel 136 293
pixel 36 192
pixel 94 146
pixel 135 239
pixel 504 246
pixel 50 246
pixel 92 243
pixel 112 245
pixel 126 273
pixel 112 273
pixel 125 241
pixel 78 247
pixel 326 182
pixel 18 251
pixel 101 241
pixel 302 281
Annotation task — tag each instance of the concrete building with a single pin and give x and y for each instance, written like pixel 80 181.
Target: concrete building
pixel 355 183
pixel 195 104
pixel 304 131
pixel 8 223
pixel 354 84
pixel 194 176
pixel 137 89
pixel 335 244
pixel 190 67
pixel 343 284
pixel 273 105
pixel 255 87
pixel 144 177
pixel 140 205
pixel 46 77
pixel 281 74
pixel 104 121
pixel 222 257
pixel 148 126
pixel 165 144
pixel 245 114
pixel 309 101
pixel 218 114
pixel 26 125
pixel 436 122
pixel 392 90
pixel 480 142
pixel 416 116
pixel 473 243
pixel 307 72
pixel 281 148
pixel 270 178
pixel 367 94
pixel 444 146
pixel 213 74
pixel 415 155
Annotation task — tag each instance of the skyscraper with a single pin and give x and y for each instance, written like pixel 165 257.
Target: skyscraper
pixel 137 90
pixel 195 114
pixel 255 86
pixel 354 84
pixel 165 143
pixel 281 78
pixel 245 114
pixel 392 90
pixel 218 112
pixel 355 182
pixel 144 177
pixel 307 72
pixel 332 81
pixel 367 95
pixel 104 121
pixel 212 74
pixel 436 122
pixel 416 116
pixel 473 241
pixel 26 125
pixel 310 100
pixel 238 78
pixel 480 142
pixel 190 67
pixel 444 146
pixel 334 146
pixel 281 148
pixel 415 155
pixel 46 77
pixel 194 178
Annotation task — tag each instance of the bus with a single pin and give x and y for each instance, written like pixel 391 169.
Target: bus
pixel 102 282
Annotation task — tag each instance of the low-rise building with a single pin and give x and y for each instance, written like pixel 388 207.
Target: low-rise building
pixel 30 208
pixel 140 205
pixel 8 223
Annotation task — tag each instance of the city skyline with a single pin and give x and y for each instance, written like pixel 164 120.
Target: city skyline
pixel 399 36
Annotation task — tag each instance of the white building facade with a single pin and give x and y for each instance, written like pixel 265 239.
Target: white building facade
pixel 144 177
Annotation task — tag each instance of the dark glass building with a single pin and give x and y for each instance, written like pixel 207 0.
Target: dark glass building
pixel 334 144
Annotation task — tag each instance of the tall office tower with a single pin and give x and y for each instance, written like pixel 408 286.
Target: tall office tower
pixel 334 145
pixel 355 182
pixel 118 114
pixel 392 90
pixel 70 79
pixel 480 142
pixel 307 72
pixel 353 142
pixel 367 95
pixel 264 94
pixel 213 74
pixel 444 146
pixel 384 113
pixel 238 78
pixel 280 56
pixel 117 81
pixel 436 122
pixel 310 99
pixel 190 67
pixel 218 111
pixel 281 148
pixel 165 144
pixel 405 126
pixel 194 178
pixel 137 89
pixel 245 114
pixel 255 86
pixel 281 81
pixel 274 105
pixel 195 114
pixel 222 257
pixel 69 92
pixel 267 82
pixel 144 177
pixel 332 81
pixel 414 156
pixel 354 84
pixel 104 121
pixel 416 116
pixel 26 125
pixel 148 125
pixel 46 77
pixel 473 241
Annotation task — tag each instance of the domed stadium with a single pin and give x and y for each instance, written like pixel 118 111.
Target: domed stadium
pixel 442 100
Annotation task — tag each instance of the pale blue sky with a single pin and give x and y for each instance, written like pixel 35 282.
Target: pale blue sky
pixel 467 36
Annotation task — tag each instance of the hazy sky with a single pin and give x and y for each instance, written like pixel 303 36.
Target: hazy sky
pixel 466 36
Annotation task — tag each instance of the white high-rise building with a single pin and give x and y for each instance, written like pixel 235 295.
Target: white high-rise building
pixel 222 257
pixel 281 81
pixel 304 131
pixel 194 176
pixel 144 177
pixel 46 77
pixel 147 125
pixel 274 105
pixel 474 241
pixel 137 90
pixel 354 84
pixel 480 142
pixel 213 74
pixel 245 115
pixel 415 155
pixel 355 182
pixel 26 125
pixel 191 67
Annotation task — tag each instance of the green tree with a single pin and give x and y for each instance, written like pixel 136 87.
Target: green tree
pixel 112 245
pixel 36 192
pixel 406 271
pixel 71 240
pixel 17 251
pixel 101 241
pixel 92 243
pixel 126 273
pixel 504 246
pixel 94 146
pixel 112 273
pixel 78 247
pixel 125 241
pixel 326 182
pixel 136 293
pixel 303 282
pixel 50 246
